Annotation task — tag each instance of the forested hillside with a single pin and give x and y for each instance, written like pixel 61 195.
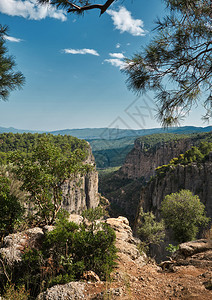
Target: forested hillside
pixel 26 142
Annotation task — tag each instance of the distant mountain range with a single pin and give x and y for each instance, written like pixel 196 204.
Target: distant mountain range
pixel 112 133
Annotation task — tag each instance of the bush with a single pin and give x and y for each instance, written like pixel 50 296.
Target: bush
pixel 67 252
pixel 149 230
pixel 76 249
pixel 184 214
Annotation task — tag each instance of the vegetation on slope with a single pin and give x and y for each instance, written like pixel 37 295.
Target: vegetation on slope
pixel 112 153
pixel 195 154
pixel 41 165
pixel 65 254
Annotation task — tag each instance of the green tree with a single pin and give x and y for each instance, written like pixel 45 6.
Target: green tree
pixel 10 208
pixel 176 64
pixel 184 214
pixel 149 230
pixel 44 171
pixel 9 79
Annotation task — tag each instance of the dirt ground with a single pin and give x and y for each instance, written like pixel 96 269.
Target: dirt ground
pixel 189 279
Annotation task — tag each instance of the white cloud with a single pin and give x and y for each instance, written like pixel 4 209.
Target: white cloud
pixel 124 22
pixel 118 45
pixel 116 62
pixel 30 9
pixel 117 55
pixel 12 39
pixel 81 51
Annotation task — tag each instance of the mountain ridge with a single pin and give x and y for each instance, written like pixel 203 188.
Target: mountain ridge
pixel 110 133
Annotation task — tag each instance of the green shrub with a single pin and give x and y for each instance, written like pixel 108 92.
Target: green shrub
pixel 149 230
pixel 171 248
pixel 184 214
pixel 67 252
pixel 76 249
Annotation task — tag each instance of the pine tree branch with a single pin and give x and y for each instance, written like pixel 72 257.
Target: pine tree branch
pixel 102 7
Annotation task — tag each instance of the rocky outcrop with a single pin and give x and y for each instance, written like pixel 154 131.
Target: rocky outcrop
pixel 126 244
pixel 192 248
pixel 187 278
pixel 142 163
pixel 81 192
pixel 128 257
pixel 194 253
pixel 15 244
pixel 135 276
pixel 194 177
pixel 71 290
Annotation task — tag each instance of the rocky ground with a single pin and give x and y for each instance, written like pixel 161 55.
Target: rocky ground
pixel 188 276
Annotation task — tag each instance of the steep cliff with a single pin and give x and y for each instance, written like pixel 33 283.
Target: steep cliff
pixel 81 192
pixel 194 177
pixel 125 188
pixel 145 158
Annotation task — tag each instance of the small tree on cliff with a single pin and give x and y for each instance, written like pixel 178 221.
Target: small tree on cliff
pixel 184 214
pixel 44 171
pixel 9 79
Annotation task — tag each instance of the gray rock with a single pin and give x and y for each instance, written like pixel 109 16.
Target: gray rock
pixel 193 247
pixel 125 242
pixel 14 244
pixel 75 218
pixel 81 192
pixel 69 291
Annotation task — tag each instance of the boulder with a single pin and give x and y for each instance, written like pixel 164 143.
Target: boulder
pixel 14 244
pixel 193 247
pixel 126 244
pixel 71 291
pixel 75 218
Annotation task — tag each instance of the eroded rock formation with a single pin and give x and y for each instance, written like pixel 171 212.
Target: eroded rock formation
pixel 194 177
pixel 142 160
pixel 142 163
pixel 81 192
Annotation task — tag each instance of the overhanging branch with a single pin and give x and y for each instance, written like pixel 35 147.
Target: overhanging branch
pixel 102 7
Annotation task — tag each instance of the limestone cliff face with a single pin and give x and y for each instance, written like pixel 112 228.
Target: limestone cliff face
pixel 142 163
pixel 139 166
pixel 81 192
pixel 194 177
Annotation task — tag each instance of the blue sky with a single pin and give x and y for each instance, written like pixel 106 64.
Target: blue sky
pixel 72 66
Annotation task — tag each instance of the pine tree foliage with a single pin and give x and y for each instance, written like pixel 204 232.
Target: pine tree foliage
pixel 9 79
pixel 177 63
